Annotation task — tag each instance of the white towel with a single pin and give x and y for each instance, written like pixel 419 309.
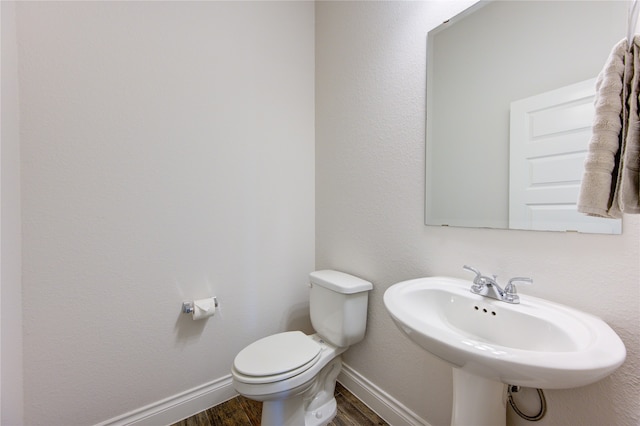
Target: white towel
pixel 610 184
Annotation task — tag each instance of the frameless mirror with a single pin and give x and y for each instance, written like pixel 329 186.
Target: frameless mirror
pixel 510 88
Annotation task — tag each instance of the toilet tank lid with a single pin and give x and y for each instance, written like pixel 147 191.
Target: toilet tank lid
pixel 339 281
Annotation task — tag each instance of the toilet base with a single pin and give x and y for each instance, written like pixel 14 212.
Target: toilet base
pixel 321 416
pixel 291 413
pixel 312 404
pixel 283 412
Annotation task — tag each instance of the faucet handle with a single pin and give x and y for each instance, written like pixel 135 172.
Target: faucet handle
pixel 510 291
pixel 478 283
pixel 472 269
pixel 524 280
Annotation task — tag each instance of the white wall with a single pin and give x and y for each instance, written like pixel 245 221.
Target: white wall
pixel 370 88
pixel 11 391
pixel 167 154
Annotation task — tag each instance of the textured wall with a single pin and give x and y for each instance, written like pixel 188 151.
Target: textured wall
pixel 370 59
pixel 167 154
pixel 11 394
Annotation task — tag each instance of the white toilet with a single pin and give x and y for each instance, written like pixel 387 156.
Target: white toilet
pixel 295 374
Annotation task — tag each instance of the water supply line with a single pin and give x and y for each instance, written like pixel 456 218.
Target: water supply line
pixel 512 403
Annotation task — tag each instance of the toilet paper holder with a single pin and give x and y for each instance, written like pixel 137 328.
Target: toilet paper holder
pixel 187 307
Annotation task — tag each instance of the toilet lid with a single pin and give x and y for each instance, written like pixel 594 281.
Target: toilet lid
pixel 277 354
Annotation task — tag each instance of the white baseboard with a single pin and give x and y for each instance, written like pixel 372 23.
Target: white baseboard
pixel 178 407
pixel 200 398
pixel 387 407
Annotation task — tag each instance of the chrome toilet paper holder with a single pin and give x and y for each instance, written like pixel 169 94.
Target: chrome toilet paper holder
pixel 187 307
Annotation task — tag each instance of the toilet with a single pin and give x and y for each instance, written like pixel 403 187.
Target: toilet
pixel 294 374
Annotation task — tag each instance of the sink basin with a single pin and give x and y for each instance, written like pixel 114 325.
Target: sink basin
pixel 535 343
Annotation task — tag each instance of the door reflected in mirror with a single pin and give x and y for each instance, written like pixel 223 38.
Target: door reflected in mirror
pixel 515 69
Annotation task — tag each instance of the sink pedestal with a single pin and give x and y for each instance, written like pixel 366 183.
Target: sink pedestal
pixel 477 401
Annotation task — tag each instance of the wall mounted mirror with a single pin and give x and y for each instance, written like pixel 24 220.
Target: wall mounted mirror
pixel 510 88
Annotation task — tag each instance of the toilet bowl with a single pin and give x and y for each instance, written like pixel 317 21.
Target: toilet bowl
pixel 288 392
pixel 294 374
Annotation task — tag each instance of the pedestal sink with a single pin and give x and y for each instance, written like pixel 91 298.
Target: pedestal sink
pixel 490 343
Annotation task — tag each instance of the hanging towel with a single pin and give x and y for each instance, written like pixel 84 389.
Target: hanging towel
pixel 628 193
pixel 610 183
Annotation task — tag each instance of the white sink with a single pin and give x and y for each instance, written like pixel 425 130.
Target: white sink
pixel 535 343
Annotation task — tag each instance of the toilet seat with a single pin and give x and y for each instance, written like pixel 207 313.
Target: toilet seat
pixel 276 357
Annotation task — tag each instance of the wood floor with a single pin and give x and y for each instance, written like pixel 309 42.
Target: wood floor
pixel 241 411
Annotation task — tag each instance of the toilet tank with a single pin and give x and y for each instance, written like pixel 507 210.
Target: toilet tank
pixel 338 306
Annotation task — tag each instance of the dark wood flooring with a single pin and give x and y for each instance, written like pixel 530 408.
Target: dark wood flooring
pixel 241 411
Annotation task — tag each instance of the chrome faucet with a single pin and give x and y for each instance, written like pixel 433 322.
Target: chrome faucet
pixel 488 287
